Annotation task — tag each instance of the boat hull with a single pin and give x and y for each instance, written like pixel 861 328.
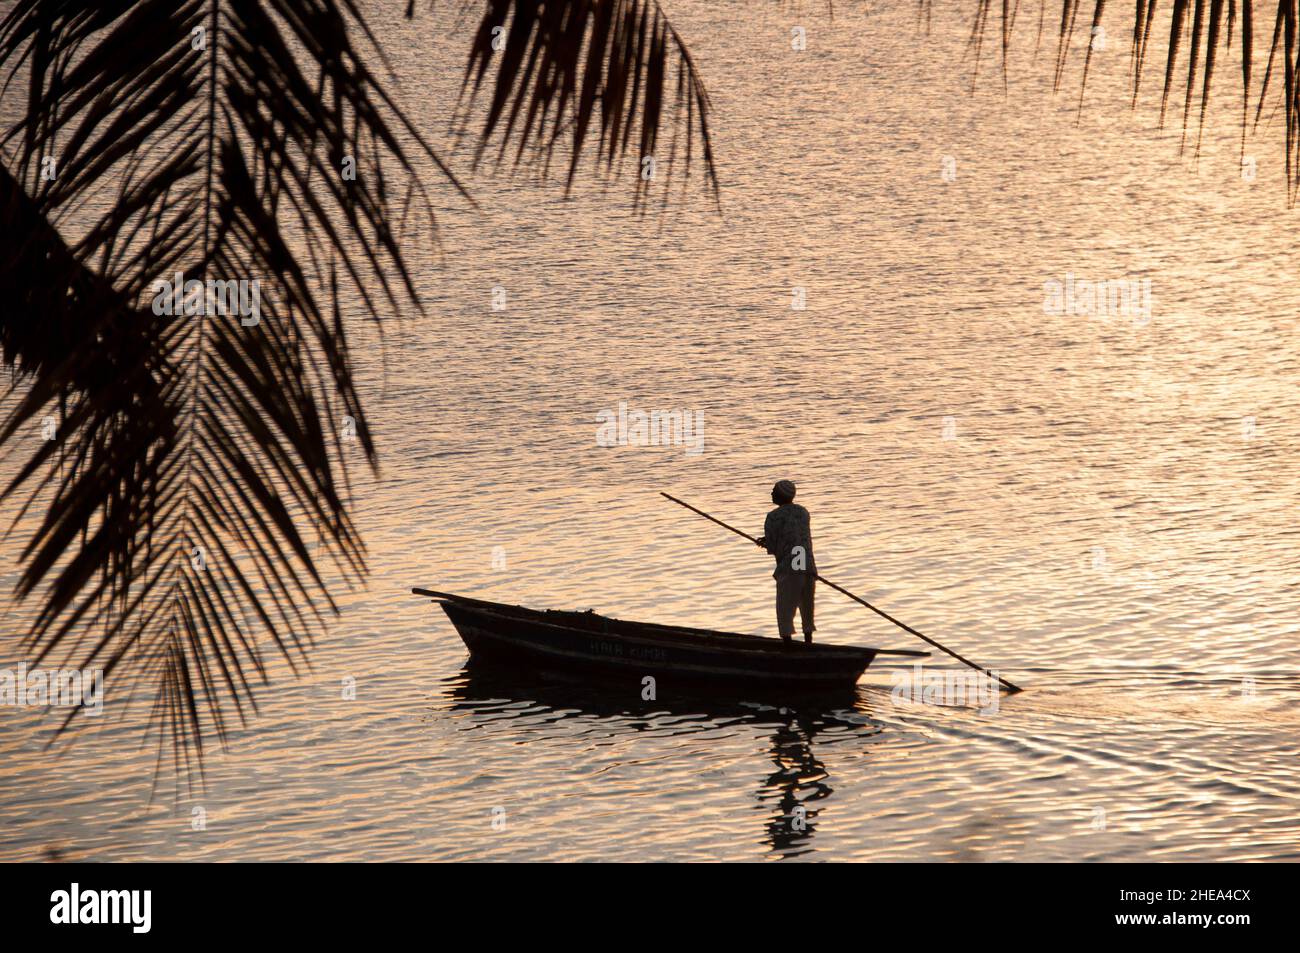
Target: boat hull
pixel 592 644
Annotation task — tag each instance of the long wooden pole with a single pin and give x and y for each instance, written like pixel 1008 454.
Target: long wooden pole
pixel 858 599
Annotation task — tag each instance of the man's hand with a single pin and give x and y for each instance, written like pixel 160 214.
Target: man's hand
pixel 762 542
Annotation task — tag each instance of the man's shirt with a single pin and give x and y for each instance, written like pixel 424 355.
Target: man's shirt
pixel 787 527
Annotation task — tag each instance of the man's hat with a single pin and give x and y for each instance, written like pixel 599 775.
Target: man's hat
pixel 784 488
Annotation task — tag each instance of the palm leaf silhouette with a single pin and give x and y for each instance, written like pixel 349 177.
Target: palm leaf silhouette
pixel 1203 30
pixel 574 74
pixel 193 451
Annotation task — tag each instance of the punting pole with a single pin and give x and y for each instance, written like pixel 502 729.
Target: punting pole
pixel 858 599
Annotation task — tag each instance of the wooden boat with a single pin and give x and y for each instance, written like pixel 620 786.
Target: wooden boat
pixel 585 642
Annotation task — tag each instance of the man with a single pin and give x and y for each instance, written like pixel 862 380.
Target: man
pixel 787 535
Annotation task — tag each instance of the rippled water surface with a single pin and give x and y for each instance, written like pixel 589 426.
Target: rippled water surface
pixel 1110 521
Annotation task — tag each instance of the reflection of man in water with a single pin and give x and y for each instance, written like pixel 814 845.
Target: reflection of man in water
pixel 787 535
pixel 797 784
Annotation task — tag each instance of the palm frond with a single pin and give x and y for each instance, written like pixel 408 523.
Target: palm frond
pixel 1205 30
pixel 597 77
pixel 195 451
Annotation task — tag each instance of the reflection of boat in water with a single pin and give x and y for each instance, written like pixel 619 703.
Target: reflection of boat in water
pixel 634 651
pixel 792 795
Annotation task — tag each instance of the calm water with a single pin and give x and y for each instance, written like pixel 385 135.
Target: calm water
pixel 1101 507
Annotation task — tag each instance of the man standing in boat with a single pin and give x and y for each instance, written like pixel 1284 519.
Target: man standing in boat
pixel 787 535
